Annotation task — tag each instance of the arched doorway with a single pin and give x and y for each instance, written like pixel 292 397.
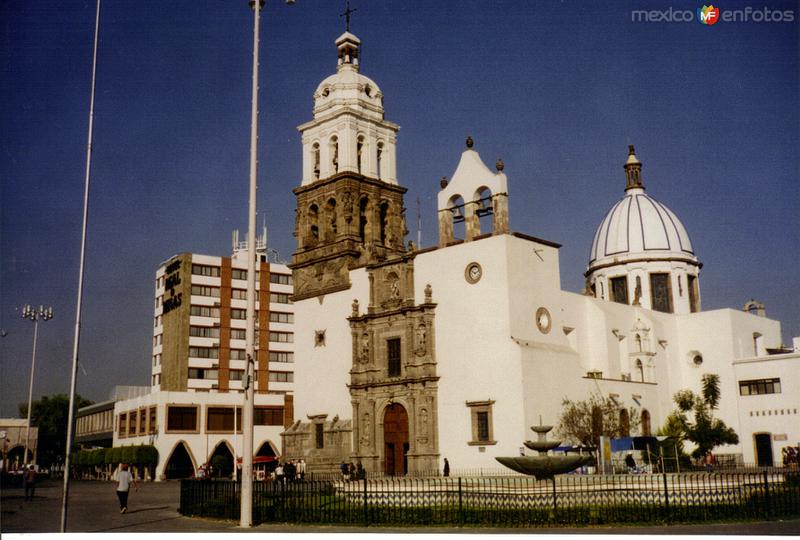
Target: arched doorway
pixel 221 461
pixel 395 440
pixel 646 430
pixel 763 442
pixel 179 464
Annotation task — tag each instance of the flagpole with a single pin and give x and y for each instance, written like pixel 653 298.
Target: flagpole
pixel 76 342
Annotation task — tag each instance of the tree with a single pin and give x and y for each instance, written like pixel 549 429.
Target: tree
pixel 50 414
pixel 585 421
pixel 694 418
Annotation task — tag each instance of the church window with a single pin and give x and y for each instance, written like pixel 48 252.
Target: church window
pixel 379 157
pixel 640 370
pixel 393 356
pixel 646 431
pixel 313 217
pixel 484 210
pixel 319 435
pixel 660 292
pixel 482 429
pixel 334 151
pixel 384 214
pixel 691 283
pixel 362 219
pixel 619 289
pixel 315 159
pixel 331 211
pixel 638 343
pixel 360 153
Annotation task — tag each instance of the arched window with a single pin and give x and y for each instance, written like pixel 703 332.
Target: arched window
pixel 638 343
pixel 456 207
pixel 362 219
pixel 313 223
pixel 315 160
pixel 379 157
pixel 640 369
pixel 334 152
pixel 624 423
pixel 646 423
pixel 360 154
pixel 484 209
pixel 330 210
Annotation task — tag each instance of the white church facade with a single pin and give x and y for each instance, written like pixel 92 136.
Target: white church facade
pixel 406 356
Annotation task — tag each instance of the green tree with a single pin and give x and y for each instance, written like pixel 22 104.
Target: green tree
pixel 50 414
pixel 584 421
pixel 694 419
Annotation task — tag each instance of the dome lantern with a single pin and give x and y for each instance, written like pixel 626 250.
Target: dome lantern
pixel 633 171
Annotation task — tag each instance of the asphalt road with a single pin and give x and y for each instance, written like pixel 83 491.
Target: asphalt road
pixel 93 507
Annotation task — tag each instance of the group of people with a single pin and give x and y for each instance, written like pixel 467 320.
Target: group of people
pixel 351 471
pixel 293 470
pixel 791 456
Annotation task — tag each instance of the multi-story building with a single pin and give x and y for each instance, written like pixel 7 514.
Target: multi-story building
pixel 193 413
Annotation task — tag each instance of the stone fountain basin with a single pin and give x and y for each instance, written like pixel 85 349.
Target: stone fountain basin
pixel 541 446
pixel 545 466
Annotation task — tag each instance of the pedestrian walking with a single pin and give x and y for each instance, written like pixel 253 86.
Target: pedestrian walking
pixel 446 467
pixel 301 468
pixel 345 471
pixel 29 481
pixel 124 480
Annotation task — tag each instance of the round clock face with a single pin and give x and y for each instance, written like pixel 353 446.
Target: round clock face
pixel 543 320
pixel 473 272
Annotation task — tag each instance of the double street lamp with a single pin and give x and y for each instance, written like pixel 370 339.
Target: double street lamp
pixel 31 313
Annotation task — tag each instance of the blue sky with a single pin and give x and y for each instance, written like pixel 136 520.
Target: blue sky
pixel 557 89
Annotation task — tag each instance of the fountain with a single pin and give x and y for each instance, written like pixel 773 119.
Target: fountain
pixel 544 465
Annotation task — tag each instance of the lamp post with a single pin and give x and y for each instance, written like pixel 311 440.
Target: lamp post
pixel 31 313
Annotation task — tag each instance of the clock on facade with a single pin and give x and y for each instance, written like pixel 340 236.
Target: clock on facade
pixel 473 272
pixel 543 320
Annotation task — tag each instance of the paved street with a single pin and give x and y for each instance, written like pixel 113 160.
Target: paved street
pixel 154 508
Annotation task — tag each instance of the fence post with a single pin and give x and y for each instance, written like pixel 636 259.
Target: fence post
pixel 460 504
pixel 666 499
pixel 766 494
pixel 366 509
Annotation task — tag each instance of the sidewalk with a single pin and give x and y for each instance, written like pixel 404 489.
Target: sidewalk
pixel 93 507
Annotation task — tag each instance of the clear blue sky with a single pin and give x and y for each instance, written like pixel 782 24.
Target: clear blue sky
pixel 557 89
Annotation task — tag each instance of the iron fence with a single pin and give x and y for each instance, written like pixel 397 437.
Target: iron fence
pixel 512 501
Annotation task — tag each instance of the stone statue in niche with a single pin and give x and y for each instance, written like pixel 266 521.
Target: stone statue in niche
pixel 637 292
pixel 428 293
pixel 348 206
pixel 422 435
pixel 355 307
pixel 365 428
pixel 420 335
pixel 364 354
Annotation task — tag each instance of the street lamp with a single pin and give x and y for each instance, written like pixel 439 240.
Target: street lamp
pixel 246 506
pixel 31 313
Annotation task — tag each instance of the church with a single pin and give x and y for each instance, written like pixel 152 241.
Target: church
pixel 406 356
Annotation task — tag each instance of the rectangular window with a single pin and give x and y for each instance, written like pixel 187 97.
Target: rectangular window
pixel 239 314
pixel 238 333
pixel 268 416
pixel 152 427
pixel 236 374
pixel 131 423
pixel 279 298
pixel 481 417
pixel 320 435
pixel 393 356
pixel 181 418
pixel 759 386
pixel 204 331
pixel 221 419
pixel 142 421
pixel 202 290
pixel 204 311
pixel 281 337
pixel 661 293
pixel 281 376
pixel 239 294
pixel 280 356
pixel 238 354
pixel 203 352
pixel 205 270
pixel 279 316
pixel 238 274
pixel 281 279
pixel 619 289
pixel 694 294
pixel 123 425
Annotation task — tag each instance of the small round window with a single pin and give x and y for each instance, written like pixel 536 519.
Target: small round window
pixel 326 92
pixel 698 359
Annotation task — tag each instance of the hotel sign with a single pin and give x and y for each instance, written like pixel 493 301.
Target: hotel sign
pixel 172 280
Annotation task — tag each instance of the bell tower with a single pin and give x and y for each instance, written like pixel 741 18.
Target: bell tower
pixel 350 209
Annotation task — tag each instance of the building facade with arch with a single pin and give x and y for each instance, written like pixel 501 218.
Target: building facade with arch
pixel 407 355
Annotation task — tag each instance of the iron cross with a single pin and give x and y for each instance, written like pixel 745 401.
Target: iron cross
pixel 347 13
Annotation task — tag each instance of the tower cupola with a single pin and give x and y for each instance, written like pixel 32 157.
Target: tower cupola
pixel 633 171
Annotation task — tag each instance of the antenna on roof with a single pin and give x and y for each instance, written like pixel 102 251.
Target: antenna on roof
pixel 419 225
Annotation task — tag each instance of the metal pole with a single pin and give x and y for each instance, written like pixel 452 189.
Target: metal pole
pixel 246 517
pixel 76 342
pixel 30 391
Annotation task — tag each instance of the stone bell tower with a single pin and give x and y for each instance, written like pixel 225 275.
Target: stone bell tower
pixel 349 205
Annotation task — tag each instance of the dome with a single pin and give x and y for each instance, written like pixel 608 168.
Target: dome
pixel 347 87
pixel 639 227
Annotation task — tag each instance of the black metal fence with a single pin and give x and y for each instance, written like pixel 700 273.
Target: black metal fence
pixel 506 501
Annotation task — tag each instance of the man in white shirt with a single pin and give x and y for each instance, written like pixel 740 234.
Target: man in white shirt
pixel 124 481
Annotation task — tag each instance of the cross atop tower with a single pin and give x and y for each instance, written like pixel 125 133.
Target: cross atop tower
pixel 346 15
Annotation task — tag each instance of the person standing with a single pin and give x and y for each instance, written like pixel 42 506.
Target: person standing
pixel 29 480
pixel 124 481
pixel 446 467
